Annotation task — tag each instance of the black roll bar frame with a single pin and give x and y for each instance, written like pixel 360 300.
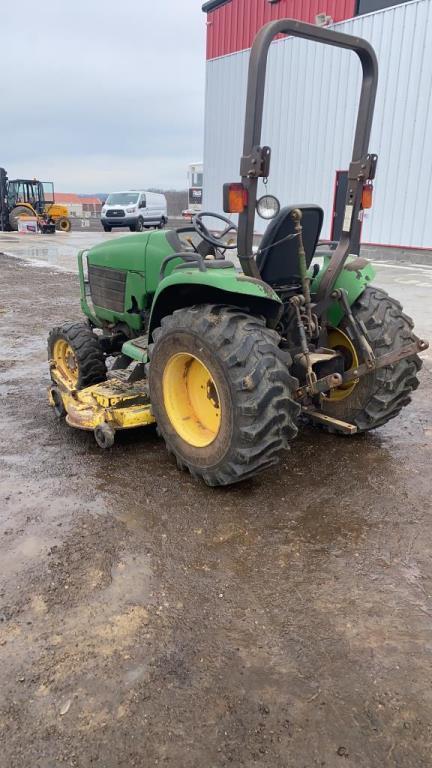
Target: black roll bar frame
pixel 255 162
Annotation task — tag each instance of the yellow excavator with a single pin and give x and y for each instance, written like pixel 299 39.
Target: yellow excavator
pixel 30 197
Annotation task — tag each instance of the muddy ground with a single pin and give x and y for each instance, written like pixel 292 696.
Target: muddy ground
pixel 146 619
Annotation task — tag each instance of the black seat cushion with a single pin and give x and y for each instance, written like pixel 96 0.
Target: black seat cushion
pixel 278 262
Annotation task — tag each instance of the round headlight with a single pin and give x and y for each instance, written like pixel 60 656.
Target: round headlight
pixel 268 207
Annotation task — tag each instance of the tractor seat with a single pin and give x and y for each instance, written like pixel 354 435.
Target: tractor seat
pixel 278 261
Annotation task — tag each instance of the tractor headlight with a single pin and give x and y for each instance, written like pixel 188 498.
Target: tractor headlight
pixel 268 207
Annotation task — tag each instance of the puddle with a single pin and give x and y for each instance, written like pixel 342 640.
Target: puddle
pixel 23 552
pixel 57 251
pixel 130 577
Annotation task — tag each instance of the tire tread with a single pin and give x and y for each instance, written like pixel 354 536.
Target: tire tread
pixel 265 414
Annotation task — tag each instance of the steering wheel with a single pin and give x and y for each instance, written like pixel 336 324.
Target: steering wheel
pixel 203 232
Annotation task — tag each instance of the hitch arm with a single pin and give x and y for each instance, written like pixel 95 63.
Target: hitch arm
pixel 388 359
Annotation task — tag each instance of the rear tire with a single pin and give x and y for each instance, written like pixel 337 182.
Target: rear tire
pixel 77 355
pixel 380 395
pixel 245 386
pixel 19 210
pixel 162 223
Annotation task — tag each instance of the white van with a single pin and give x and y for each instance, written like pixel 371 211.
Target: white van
pixel 134 209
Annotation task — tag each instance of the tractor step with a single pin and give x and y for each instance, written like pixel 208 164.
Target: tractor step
pixel 136 349
pixel 338 425
pixel 130 375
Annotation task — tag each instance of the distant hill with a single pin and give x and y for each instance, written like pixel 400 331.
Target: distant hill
pixel 101 195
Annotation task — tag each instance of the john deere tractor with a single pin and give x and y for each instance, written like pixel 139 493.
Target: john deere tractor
pixel 227 360
pixel 30 197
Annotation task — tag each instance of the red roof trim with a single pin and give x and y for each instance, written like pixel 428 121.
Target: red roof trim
pixel 232 25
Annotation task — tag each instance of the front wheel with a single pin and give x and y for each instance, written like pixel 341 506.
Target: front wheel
pixel 379 396
pixel 76 356
pixel 139 226
pixel 107 228
pixel 221 392
pixel 63 224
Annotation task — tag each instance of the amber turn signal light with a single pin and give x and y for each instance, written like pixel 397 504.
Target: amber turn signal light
pixel 235 198
pixel 367 195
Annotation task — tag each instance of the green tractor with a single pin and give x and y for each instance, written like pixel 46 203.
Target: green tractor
pixel 227 360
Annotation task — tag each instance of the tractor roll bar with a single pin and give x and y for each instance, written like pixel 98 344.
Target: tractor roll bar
pixel 256 160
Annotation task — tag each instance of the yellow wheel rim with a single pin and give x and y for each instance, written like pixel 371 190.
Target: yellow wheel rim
pixel 66 362
pixel 191 399
pixel 339 341
pixel 65 225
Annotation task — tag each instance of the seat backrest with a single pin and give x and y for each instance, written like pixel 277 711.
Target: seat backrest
pixel 278 261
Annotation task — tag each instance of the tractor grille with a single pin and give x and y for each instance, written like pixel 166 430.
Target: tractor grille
pixel 107 287
pixel 115 212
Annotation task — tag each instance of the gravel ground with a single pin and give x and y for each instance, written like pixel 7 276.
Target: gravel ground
pixel 146 619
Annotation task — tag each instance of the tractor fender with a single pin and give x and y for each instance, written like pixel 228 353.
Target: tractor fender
pixel 185 287
pixel 356 275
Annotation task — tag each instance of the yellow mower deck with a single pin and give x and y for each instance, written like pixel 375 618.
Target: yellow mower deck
pixel 112 403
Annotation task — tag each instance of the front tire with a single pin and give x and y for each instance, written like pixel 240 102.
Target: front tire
pixel 107 228
pixel 139 225
pixel 380 395
pixel 63 224
pixel 75 356
pixel 221 392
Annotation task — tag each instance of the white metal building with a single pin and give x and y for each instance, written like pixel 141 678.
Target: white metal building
pixel 310 109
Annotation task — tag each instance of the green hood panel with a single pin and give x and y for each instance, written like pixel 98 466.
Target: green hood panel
pixel 136 259
pixel 126 252
pixel 143 252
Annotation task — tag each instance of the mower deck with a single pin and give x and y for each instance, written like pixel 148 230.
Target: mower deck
pixel 114 402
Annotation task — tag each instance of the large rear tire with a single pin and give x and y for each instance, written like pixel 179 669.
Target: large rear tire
pixel 76 355
pixel 16 213
pixel 379 396
pixel 221 392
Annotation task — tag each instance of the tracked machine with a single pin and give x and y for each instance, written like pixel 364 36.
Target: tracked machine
pixel 229 362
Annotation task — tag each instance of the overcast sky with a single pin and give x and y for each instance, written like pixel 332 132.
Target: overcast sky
pixel 102 95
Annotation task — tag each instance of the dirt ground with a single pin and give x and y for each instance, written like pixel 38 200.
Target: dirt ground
pixel 146 619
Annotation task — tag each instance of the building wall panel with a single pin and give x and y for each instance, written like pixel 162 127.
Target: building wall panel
pixel 233 26
pixel 309 120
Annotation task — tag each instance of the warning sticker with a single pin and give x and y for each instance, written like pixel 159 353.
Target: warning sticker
pixel 347 218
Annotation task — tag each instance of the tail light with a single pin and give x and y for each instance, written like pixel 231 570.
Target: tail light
pixel 235 198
